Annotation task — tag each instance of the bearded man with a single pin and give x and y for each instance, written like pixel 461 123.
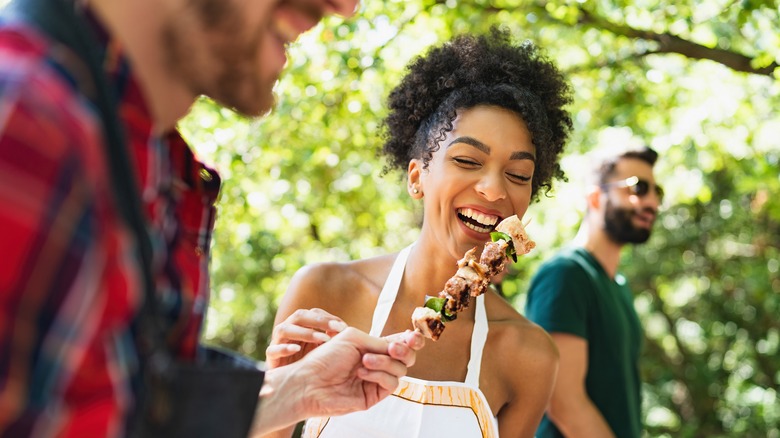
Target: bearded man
pixel 107 217
pixel 579 297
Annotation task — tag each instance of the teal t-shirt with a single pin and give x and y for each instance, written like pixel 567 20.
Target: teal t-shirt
pixel 572 294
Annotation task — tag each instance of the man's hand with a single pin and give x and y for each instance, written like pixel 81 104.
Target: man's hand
pixel 299 334
pixel 354 371
pixel 351 372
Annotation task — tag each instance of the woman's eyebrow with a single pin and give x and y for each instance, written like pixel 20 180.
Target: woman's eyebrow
pixel 472 142
pixel 519 155
pixel 522 155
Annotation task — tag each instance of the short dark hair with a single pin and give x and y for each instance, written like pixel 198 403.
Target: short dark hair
pixel 606 168
pixel 479 70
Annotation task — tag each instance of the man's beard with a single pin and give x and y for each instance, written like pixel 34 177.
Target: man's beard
pixel 618 225
pixel 234 83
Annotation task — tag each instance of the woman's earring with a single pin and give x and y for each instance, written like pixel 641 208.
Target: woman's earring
pixel 415 191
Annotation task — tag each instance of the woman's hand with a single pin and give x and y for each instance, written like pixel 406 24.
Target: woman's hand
pixel 300 333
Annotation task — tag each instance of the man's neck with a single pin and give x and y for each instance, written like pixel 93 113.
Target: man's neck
pixel 137 26
pixel 605 250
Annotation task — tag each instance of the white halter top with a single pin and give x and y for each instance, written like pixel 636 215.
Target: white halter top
pixel 419 408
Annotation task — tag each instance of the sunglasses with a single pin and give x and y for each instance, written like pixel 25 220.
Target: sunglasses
pixel 639 187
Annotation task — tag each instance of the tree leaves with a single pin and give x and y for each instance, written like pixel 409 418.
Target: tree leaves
pixel 696 80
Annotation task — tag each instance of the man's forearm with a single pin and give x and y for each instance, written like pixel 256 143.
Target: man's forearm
pixel 280 404
pixel 580 420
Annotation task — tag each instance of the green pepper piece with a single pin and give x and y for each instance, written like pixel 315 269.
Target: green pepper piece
pixel 434 303
pixel 498 235
pixel 447 316
pixel 437 304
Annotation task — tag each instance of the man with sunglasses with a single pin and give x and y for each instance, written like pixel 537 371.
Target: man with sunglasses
pixel 579 297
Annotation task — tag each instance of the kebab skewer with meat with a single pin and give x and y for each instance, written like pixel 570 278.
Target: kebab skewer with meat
pixel 473 277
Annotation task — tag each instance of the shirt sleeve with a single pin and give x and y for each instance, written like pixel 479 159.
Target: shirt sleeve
pixel 557 298
pixel 50 308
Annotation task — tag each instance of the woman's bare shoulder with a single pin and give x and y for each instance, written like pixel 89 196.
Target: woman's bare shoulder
pixel 334 275
pixel 516 335
pixel 340 288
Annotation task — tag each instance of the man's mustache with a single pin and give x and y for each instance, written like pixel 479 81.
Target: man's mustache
pixel 647 210
pixel 308 8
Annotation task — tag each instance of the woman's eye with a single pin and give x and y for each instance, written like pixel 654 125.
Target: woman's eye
pixel 519 178
pixel 468 162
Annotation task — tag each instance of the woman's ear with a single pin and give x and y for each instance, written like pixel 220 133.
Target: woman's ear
pixel 414 180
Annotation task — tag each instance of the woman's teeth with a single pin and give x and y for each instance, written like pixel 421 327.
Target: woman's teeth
pixel 479 222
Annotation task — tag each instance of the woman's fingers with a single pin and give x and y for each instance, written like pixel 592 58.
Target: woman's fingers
pixel 281 351
pixel 317 319
pixel 308 325
pixel 286 332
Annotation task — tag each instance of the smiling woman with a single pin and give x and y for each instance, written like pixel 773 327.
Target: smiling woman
pixel 478 125
pixel 489 153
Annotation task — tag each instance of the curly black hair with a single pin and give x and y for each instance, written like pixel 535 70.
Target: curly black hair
pixel 474 70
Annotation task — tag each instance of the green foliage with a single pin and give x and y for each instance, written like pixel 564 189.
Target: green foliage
pixel 305 185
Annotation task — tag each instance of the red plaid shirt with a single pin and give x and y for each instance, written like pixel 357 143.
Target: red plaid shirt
pixel 69 280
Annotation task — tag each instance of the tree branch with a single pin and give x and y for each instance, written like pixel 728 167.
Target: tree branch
pixel 668 43
pixel 611 64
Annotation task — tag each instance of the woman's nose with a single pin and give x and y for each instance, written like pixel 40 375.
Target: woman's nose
pixel 491 188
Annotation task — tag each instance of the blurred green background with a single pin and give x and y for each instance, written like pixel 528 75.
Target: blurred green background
pixel 697 80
